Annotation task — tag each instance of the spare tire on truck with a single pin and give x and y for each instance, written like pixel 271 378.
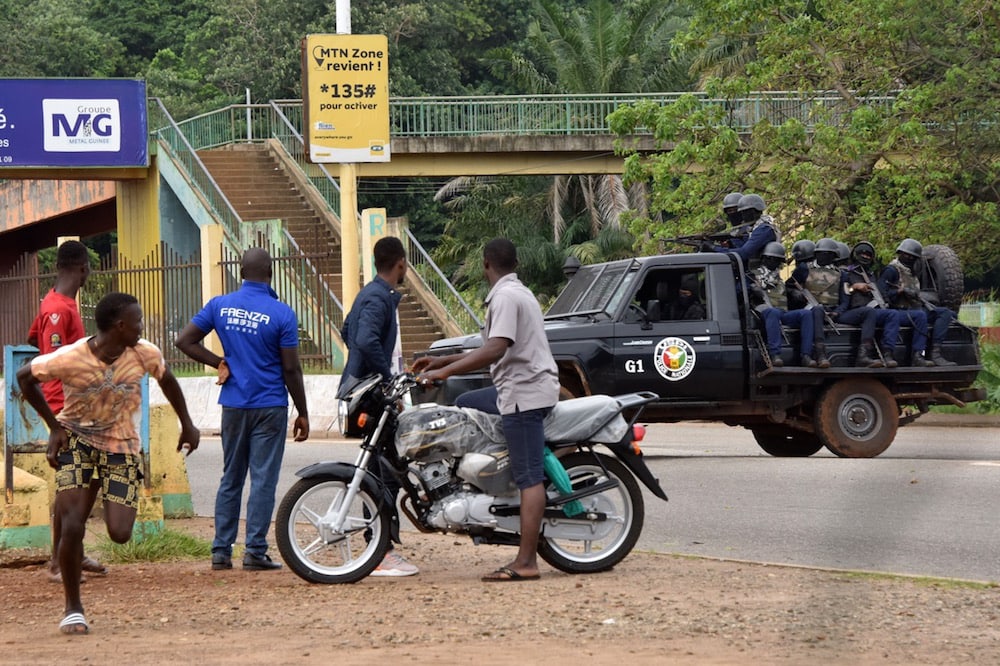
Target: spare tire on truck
pixel 945 272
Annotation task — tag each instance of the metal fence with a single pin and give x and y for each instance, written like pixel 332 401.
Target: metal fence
pixel 168 287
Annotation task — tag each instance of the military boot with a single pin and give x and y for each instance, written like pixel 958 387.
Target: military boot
pixel 919 361
pixel 866 356
pixel 819 352
pixel 938 359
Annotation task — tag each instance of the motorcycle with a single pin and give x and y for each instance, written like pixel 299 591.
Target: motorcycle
pixel 335 523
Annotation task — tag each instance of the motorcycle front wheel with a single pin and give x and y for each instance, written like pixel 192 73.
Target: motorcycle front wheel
pixel 591 544
pixel 313 548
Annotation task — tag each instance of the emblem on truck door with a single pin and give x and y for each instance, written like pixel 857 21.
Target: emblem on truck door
pixel 674 358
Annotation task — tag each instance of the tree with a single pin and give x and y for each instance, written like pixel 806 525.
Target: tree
pixel 55 38
pixel 602 47
pixel 905 143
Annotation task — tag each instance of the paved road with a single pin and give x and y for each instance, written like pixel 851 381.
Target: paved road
pixel 927 506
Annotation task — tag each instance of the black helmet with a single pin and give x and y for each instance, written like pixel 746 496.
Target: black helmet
pixel 911 247
pixel 826 245
pixel 774 249
pixel 748 201
pixel 863 253
pixel 731 200
pixel 803 250
pixel 843 252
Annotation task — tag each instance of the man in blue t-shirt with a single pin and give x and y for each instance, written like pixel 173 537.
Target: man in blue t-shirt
pixel 260 340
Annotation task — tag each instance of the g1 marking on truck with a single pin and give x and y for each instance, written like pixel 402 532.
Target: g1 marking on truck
pixel 674 358
pixel 635 366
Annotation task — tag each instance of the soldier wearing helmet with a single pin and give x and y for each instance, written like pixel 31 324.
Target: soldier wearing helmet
pixel 768 293
pixel 761 232
pixel 900 282
pixel 730 208
pixel 821 277
pixel 861 303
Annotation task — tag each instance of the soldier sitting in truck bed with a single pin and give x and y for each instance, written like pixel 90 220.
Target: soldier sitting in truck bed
pixel 862 303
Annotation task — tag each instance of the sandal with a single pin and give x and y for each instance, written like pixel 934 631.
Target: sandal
pixel 92 566
pixel 74 623
pixel 506 575
pixel 56 577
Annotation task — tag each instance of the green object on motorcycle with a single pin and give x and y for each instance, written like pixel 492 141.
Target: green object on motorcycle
pixel 557 474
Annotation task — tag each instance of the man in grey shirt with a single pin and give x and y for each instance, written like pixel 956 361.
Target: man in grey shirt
pixel 525 388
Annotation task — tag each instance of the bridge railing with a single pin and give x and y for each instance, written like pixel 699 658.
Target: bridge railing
pixel 582 114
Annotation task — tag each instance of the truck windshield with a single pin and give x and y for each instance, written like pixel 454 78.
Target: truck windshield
pixel 594 290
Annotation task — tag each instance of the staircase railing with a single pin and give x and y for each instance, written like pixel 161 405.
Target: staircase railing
pixel 182 153
pixel 324 320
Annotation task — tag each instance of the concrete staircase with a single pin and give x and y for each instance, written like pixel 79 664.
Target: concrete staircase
pixel 260 189
pixel 417 329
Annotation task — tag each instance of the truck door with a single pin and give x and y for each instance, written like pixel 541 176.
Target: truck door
pixel 668 341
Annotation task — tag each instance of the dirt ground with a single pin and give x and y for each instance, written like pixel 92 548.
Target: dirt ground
pixel 651 609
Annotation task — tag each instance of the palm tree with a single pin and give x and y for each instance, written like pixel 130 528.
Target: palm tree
pixel 604 47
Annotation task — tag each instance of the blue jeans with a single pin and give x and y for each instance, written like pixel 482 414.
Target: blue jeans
pixel 252 440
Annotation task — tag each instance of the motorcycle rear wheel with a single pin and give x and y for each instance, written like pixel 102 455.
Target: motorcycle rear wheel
pixel 309 545
pixel 596 545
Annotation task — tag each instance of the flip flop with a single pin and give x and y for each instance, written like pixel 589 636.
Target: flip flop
pixel 92 566
pixel 506 575
pixel 72 622
pixel 57 577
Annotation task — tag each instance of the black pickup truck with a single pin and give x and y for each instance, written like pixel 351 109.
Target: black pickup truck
pixel 608 335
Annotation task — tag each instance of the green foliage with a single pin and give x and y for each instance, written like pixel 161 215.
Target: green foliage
pixel 166 545
pixel 989 378
pixel 923 164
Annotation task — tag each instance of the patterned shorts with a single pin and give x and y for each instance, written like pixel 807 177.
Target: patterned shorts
pixel 120 473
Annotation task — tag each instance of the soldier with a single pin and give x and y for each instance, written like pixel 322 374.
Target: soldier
pixel 815 277
pixel 768 291
pixel 901 285
pixel 730 207
pixel 862 303
pixel 761 232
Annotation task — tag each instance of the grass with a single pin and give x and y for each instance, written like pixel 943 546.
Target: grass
pixel 164 546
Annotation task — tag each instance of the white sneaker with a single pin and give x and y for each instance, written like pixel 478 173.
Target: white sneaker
pixel 393 565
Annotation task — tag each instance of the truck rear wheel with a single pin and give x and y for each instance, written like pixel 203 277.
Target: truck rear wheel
pixel 783 442
pixel 856 418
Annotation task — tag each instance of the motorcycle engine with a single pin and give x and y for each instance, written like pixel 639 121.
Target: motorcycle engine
pixel 436 478
pixel 461 510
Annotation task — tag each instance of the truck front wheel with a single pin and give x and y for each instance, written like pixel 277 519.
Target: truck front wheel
pixel 786 442
pixel 856 418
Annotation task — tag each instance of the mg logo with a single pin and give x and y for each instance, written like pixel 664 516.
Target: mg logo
pixel 81 125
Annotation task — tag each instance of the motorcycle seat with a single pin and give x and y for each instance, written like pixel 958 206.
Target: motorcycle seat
pixel 593 418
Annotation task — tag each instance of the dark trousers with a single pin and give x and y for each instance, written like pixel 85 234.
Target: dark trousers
pixel 870 319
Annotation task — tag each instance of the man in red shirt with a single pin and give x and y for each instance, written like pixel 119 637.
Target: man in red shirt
pixel 59 324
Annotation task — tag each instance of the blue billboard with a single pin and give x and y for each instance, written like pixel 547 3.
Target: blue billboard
pixel 73 123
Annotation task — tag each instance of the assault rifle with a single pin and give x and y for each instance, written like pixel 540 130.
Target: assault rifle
pixel 929 305
pixel 877 300
pixel 716 237
pixel 813 303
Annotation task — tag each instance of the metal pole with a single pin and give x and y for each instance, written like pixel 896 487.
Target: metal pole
pixel 249 126
pixel 350 259
pixel 343 17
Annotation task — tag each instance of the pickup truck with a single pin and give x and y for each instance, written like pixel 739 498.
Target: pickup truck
pixel 608 336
